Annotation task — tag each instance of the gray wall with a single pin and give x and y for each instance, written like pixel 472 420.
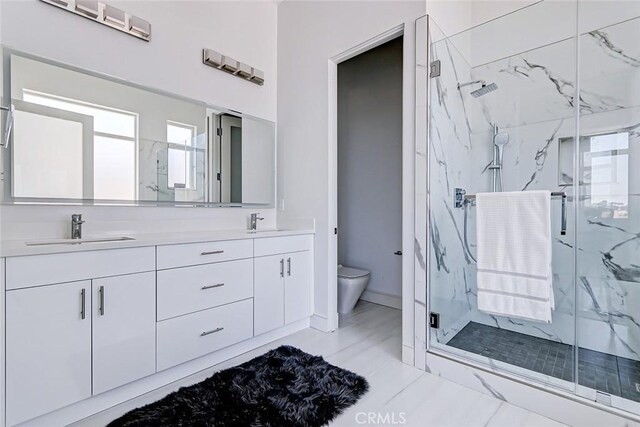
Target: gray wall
pixel 370 165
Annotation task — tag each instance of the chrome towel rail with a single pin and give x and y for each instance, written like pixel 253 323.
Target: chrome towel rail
pixel 462 199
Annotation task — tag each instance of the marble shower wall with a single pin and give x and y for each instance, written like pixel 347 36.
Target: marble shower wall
pixel 451 271
pixel 535 104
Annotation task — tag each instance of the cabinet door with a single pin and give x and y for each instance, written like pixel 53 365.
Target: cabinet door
pixel 298 286
pixel 268 303
pixel 48 349
pixel 124 329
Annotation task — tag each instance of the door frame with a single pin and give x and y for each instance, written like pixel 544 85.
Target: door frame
pixel 408 184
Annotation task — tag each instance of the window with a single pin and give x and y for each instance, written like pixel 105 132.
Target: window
pixel 114 145
pixel 181 162
pixel 604 172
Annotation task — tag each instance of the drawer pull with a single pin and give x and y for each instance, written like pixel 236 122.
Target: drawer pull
pixel 217 285
pixel 213 331
pixel 212 252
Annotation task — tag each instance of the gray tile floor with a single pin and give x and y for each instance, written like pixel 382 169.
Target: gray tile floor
pixel 600 371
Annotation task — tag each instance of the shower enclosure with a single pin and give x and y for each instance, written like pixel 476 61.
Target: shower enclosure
pixel 566 98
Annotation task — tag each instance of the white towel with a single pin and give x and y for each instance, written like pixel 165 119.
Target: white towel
pixel 514 254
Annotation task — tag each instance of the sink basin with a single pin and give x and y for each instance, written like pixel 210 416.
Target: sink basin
pixel 79 241
pixel 271 230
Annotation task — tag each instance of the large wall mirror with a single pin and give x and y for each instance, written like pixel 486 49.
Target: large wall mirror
pixel 81 137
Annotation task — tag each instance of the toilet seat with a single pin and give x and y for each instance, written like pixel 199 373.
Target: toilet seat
pixel 351 273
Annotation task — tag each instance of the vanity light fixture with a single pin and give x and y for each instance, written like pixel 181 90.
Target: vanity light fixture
pixel 244 70
pixel 114 16
pixel 139 26
pixel 106 15
pixel 63 3
pixel 257 77
pixel 227 64
pixel 211 57
pixel 88 7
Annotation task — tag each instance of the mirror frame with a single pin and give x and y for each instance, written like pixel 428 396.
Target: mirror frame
pixel 6 197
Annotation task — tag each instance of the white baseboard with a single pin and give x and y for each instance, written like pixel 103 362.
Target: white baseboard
pixel 323 323
pixel 95 404
pixel 381 298
pixel 408 355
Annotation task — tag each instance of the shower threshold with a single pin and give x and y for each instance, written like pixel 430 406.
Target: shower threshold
pixel 611 374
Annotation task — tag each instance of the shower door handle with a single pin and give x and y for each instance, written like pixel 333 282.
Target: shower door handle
pixel 398 253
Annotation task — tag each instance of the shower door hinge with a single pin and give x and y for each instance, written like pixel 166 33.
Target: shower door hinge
pixel 219 131
pixel 434 320
pixel 435 68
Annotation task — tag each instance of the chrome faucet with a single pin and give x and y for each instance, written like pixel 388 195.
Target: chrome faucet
pixel 76 226
pixel 254 221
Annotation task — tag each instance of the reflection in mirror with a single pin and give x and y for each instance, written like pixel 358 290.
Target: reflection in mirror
pixel 82 136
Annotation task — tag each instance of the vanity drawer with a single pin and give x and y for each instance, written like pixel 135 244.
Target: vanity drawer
pixel 188 337
pixel 188 289
pixel 171 256
pixel 34 270
pixel 281 245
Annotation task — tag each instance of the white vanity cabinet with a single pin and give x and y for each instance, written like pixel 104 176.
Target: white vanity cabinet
pixel 57 341
pixel 205 299
pixel 283 281
pixel 48 348
pixel 124 329
pixel 114 322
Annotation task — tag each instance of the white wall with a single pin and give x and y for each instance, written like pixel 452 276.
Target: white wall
pixel 309 34
pixel 171 61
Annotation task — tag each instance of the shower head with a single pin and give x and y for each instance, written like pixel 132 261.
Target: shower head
pixel 501 139
pixel 485 89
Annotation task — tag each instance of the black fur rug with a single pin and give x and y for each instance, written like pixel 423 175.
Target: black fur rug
pixel 284 387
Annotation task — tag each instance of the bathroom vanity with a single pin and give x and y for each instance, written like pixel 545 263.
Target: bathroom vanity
pixel 94 324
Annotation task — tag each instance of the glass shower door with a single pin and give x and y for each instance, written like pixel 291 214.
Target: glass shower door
pixel 522 87
pixel 608 256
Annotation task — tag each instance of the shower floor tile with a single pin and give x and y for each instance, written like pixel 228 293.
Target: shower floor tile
pixel 601 371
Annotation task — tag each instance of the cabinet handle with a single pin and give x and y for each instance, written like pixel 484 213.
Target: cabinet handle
pixel 212 252
pixel 82 303
pixel 288 266
pixel 217 285
pixel 213 331
pixel 282 267
pixel 101 297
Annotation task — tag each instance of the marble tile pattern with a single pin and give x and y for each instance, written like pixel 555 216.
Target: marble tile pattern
pixel 536 104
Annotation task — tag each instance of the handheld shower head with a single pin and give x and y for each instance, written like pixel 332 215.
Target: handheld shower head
pixel 500 140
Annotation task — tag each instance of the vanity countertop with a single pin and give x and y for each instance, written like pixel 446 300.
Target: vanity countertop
pixel 12 248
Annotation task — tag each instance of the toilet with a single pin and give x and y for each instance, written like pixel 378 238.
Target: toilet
pixel 351 284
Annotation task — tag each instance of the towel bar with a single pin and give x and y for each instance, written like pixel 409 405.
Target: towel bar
pixel 462 199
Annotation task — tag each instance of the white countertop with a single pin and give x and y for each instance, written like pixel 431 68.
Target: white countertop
pixel 11 248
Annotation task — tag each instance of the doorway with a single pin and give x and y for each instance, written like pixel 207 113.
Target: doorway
pixel 369 165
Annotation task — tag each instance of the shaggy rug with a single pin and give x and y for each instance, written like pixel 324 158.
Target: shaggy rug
pixel 284 387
